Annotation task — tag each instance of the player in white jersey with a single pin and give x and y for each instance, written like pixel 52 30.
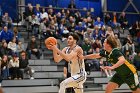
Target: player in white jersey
pixel 77 66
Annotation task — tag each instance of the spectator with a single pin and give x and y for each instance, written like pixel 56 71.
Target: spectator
pixel 109 31
pixel 12 45
pixel 123 21
pixel 5 67
pixel 97 44
pixel 88 34
pixel 16 34
pixel 32 48
pixel 14 67
pixel 7 20
pixel 20 47
pixel 86 46
pixel 35 24
pixel 96 33
pixel 4 50
pixel 99 23
pixel 119 45
pixel 129 46
pixel 44 14
pixel 6 34
pixel 24 65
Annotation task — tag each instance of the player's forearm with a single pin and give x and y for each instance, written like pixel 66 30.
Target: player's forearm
pixel 56 56
pixel 92 56
pixel 63 55
pixel 119 63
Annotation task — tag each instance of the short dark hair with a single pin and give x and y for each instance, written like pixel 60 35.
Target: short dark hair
pixel 75 36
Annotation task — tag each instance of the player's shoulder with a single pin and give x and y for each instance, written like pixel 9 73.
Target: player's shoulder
pixel 116 50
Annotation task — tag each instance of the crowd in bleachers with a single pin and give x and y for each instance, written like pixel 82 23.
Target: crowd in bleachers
pixel 42 22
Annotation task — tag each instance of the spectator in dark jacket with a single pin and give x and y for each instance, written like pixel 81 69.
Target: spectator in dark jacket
pixel 24 64
pixel 32 48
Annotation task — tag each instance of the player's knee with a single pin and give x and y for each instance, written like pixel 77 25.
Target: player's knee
pixel 108 89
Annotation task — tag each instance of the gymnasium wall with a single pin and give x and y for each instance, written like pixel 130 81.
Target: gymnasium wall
pixel 119 5
pixel 10 6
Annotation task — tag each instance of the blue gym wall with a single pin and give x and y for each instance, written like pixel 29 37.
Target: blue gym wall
pixel 119 5
pixel 10 6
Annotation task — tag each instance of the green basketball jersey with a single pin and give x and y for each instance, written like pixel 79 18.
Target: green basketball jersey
pixel 112 58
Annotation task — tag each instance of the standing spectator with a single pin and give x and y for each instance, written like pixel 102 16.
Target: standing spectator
pixel 123 21
pixel 24 65
pixel 32 48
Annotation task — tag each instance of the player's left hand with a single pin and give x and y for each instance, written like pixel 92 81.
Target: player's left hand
pixel 109 67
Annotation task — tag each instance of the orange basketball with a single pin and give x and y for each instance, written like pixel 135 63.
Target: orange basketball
pixel 50 41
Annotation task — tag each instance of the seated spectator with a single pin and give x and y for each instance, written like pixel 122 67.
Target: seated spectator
pixel 7 20
pixel 16 34
pixel 5 67
pixel 4 50
pixel 98 22
pixel 14 67
pixel 32 48
pixel 65 33
pixel 35 25
pixel 24 65
pixel 129 46
pixel 109 32
pixel 119 45
pixel 20 47
pixel 88 34
pixel 6 34
pixel 97 44
pixel 96 33
pixel 86 46
pixel 12 45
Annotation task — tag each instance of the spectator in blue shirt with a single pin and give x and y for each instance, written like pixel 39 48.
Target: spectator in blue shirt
pixel 6 34
pixel 99 23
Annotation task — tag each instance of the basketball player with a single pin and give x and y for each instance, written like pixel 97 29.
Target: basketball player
pixel 77 66
pixel 125 71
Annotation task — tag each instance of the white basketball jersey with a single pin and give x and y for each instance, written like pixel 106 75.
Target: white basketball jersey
pixel 77 65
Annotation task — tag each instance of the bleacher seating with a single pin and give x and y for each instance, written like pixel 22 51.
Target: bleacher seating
pixel 48 76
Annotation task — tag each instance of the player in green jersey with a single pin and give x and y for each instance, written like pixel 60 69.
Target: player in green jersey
pixel 125 71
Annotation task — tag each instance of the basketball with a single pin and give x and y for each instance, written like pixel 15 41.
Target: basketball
pixel 50 41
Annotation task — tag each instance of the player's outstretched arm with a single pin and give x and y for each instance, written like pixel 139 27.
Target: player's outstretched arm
pixel 92 56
